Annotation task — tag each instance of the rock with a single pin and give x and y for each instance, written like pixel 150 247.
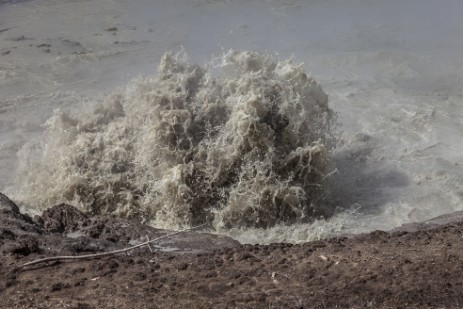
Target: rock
pixel 18 233
pixel 6 203
pixel 63 217
pixel 432 223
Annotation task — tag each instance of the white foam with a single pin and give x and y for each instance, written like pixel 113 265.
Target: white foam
pixel 243 149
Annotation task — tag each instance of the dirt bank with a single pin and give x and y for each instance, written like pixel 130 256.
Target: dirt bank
pixel 418 265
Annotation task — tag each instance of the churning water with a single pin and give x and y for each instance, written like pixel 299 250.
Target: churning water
pixel 289 121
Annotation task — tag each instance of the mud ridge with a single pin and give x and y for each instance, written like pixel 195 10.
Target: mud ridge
pixel 415 266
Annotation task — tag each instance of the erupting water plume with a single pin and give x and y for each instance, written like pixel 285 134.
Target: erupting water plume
pixel 243 145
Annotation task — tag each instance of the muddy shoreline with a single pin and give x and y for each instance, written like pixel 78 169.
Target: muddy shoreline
pixel 417 265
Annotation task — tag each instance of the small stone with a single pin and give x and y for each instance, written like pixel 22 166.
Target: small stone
pixel 6 203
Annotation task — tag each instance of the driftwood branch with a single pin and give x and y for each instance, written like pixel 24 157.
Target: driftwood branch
pixel 97 255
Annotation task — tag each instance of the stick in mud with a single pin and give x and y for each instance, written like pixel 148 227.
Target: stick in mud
pixel 97 255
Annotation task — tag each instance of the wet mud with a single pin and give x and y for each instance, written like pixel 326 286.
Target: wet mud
pixel 415 266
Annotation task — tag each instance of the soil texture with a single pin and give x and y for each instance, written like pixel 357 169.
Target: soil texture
pixel 415 266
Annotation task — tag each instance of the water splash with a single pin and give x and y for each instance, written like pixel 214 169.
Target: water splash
pixel 246 146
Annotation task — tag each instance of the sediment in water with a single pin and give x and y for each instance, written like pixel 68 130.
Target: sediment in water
pixel 243 143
